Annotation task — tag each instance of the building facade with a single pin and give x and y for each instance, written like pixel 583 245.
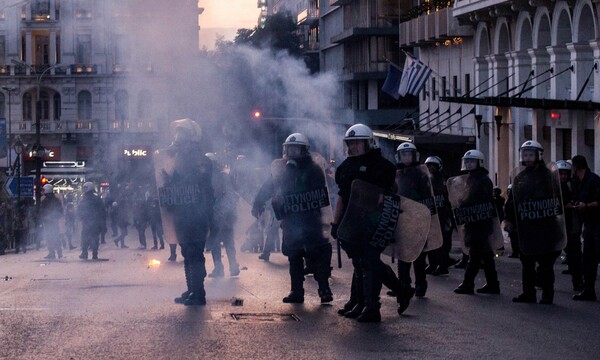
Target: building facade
pixel 527 69
pixel 94 74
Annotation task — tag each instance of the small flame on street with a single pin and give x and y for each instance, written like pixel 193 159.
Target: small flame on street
pixel 154 263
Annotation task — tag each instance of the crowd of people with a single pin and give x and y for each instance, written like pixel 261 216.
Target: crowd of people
pixel 548 208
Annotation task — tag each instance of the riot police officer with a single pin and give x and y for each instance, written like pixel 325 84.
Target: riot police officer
pixel 187 195
pixel 365 162
pixel 573 225
pixel 297 189
pixel 587 203
pixel 442 255
pixel 539 222
pixel 90 211
pixel 479 234
pixel 415 185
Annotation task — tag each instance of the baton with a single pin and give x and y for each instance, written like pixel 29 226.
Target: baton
pixel 339 254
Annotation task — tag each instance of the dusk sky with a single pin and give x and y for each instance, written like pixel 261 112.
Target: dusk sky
pixel 224 17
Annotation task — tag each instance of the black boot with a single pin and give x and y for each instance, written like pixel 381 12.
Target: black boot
pixel 371 290
pixel 586 295
pixel 525 298
pixel 356 296
pixel 490 288
pixel 197 295
pixel 468 284
pixel 462 264
pixel 294 297
pixel 188 281
pixel 325 294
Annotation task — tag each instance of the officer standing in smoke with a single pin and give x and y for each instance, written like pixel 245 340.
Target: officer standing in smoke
pixel 442 259
pixel 364 162
pixel 92 215
pixel 477 213
pixel 573 225
pixel 224 217
pixel 186 194
pixel 539 222
pixel 298 191
pixel 51 211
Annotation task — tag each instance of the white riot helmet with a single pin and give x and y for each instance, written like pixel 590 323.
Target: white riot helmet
pixel 360 132
pixel 88 187
pixel 296 139
pixel 435 160
pixel 473 155
pixel 563 165
pixel 532 145
pixel 407 147
pixel 48 189
pixel 189 127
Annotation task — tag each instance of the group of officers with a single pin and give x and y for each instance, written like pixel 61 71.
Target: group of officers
pixel 548 211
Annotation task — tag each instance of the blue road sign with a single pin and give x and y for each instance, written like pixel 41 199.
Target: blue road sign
pixel 12 189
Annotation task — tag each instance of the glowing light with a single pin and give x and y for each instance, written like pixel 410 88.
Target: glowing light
pixel 257 114
pixel 154 263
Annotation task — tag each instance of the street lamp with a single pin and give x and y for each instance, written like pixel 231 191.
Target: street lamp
pixel 10 90
pixel 37 150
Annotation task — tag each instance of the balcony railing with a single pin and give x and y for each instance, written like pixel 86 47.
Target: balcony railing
pixel 439 26
pixel 425 8
pixel 85 126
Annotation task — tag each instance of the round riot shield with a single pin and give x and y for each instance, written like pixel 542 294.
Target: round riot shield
pixel 414 182
pixel 539 212
pixel 474 211
pixel 384 220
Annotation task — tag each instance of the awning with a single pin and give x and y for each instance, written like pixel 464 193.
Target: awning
pixel 424 138
pixel 531 103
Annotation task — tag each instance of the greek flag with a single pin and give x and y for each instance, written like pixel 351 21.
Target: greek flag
pixel 415 74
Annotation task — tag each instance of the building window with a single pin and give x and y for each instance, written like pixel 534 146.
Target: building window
pixel 40 10
pixel 121 106
pixel 433 89
pixel 27 107
pixel 455 90
pixel 144 105
pixel 468 84
pixel 57 105
pixel 43 110
pixel 84 106
pixel 84 9
pixel 444 87
pixel 84 49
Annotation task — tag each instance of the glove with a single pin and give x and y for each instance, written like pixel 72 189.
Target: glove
pixel 334 230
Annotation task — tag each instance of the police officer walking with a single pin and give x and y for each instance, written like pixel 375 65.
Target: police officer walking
pixel 186 193
pixel 475 193
pixel 364 162
pixel 298 191
pixel 442 260
pixel 539 222
pixel 92 215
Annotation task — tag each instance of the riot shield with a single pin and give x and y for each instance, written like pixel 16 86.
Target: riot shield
pixel 474 211
pixel 384 220
pixel 302 201
pixel 163 168
pixel 414 182
pixel 540 219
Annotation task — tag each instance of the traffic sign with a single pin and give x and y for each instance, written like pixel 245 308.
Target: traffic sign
pixel 12 186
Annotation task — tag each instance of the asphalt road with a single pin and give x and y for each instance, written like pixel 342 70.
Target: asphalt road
pixel 123 309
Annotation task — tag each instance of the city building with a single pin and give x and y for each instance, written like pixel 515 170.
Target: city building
pixel 95 75
pixel 519 69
